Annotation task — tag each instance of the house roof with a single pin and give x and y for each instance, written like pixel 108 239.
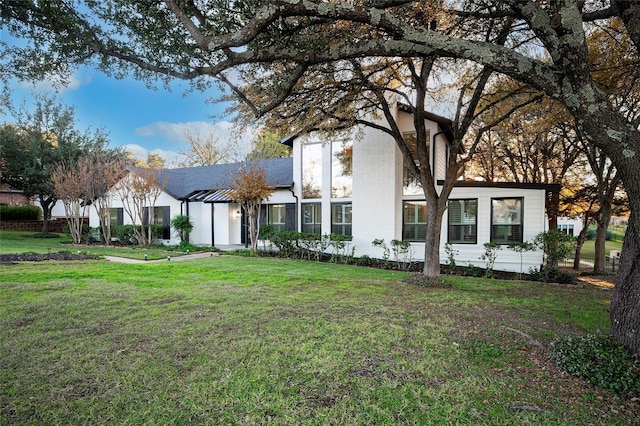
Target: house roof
pixel 446 125
pixel 548 187
pixel 204 183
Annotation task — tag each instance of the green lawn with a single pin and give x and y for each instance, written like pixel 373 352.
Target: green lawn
pixel 589 248
pixel 14 242
pixel 237 340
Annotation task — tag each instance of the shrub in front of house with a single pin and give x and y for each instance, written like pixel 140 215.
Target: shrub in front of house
pixel 126 236
pixel 20 212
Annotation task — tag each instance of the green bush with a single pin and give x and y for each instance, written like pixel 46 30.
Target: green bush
pixel 87 234
pixel 286 242
pixel 124 234
pixel 599 360
pixel 20 212
pixel 591 234
pixel 563 277
pixel 554 275
pixel 364 260
pixel 183 226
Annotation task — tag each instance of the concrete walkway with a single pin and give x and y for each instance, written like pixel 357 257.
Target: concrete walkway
pixel 198 255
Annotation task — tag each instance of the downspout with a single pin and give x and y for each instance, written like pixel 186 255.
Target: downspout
pixel 298 225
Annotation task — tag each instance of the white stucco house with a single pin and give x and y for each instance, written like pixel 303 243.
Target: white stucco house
pixel 356 186
pixel 199 193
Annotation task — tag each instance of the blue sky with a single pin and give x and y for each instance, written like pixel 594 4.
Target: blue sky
pixel 136 117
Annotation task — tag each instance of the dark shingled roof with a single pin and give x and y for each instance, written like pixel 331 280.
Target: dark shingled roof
pixel 185 182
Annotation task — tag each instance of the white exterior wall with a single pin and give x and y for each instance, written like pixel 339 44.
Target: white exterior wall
pixel 507 260
pixel 163 200
pixel 575 221
pixel 200 217
pixel 377 201
pixel 375 191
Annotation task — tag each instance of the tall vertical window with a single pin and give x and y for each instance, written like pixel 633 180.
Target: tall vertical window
pixel 341 218
pixel 506 220
pixel 312 171
pixel 411 184
pixel 414 223
pixel 116 216
pixel 463 217
pixel 159 216
pixel 341 163
pixel 276 217
pixel 312 218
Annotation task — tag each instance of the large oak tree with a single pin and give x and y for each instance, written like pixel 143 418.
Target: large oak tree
pixel 225 39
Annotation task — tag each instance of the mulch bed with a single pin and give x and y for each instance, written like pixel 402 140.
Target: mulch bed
pixel 38 257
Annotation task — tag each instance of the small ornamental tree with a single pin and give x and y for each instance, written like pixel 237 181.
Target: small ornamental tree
pixel 183 226
pixel 557 247
pixel 249 188
pixel 140 191
pixel 68 186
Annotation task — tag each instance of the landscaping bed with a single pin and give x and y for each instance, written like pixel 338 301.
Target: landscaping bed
pixel 38 257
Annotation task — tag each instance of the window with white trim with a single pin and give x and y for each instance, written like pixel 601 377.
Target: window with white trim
pixel 463 217
pixel 312 218
pixel 276 217
pixel 312 170
pixel 341 218
pixel 411 184
pixel 506 220
pixel 341 168
pixel 414 222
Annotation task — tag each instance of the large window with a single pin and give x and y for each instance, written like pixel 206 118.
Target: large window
pixel 411 184
pixel 312 218
pixel 159 216
pixel 341 163
pixel 463 217
pixel 506 220
pixel 414 224
pixel 276 217
pixel 116 216
pixel 341 218
pixel 312 171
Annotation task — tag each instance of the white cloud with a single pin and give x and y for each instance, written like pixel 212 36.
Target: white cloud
pixel 56 84
pixel 224 131
pixel 171 158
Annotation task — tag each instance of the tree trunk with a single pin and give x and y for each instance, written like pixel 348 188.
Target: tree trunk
pixel 600 260
pixel 582 236
pixel 625 303
pixel 47 204
pixel 432 240
pixel 609 130
pixel 602 221
pixel 553 206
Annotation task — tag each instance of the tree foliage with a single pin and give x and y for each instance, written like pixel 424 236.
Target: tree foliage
pixel 139 190
pixel 39 140
pixel 206 150
pixel 268 145
pixel 249 188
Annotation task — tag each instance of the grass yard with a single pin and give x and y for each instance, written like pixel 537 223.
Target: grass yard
pixel 15 242
pixel 589 248
pixel 236 340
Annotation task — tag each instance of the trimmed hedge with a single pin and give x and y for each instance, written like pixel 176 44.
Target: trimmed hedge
pixel 20 212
